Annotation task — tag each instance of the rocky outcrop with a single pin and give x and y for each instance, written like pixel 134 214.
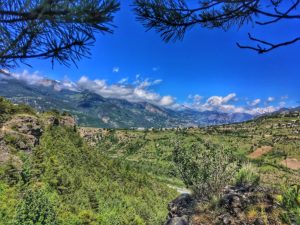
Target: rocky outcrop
pixel 21 132
pixel 67 121
pixel 24 124
pixel 178 221
pixel 237 206
pixel 92 135
pixel 238 201
pixel 180 210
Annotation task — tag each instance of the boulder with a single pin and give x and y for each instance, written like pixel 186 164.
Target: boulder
pixel 178 221
pixel 180 206
pixel 180 210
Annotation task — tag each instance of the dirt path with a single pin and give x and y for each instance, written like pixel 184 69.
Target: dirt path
pixel 180 190
pixel 260 152
pixel 291 163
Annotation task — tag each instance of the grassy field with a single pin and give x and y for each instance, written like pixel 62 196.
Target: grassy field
pixel 151 150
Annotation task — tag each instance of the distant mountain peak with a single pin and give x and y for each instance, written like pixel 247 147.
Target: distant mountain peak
pixel 91 109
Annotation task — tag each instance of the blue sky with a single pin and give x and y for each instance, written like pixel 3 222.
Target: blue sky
pixel 206 63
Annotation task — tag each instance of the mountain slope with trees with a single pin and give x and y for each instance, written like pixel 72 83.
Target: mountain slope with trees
pixel 61 180
pixel 93 110
pixel 50 175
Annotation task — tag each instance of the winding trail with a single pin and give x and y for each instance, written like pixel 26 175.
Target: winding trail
pixel 180 190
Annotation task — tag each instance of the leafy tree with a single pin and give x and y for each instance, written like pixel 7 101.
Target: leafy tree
pixel 35 209
pixel 205 167
pixel 60 30
pixel 172 18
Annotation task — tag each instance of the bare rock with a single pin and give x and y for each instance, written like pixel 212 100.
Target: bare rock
pixel 22 132
pixel 180 206
pixel 259 221
pixel 56 120
pixel 178 221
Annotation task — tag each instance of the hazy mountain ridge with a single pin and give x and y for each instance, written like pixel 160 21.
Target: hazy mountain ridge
pixel 283 112
pixel 91 109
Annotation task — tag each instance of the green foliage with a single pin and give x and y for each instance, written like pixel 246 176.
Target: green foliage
pixel 290 197
pixel 8 203
pixel 35 209
pixel 290 202
pixel 123 180
pixel 11 139
pixel 10 173
pixel 87 218
pixel 205 167
pixel 91 188
pixel 247 175
pixel 58 30
pixel 7 109
pixel 173 18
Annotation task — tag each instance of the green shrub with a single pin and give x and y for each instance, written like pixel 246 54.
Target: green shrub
pixel 205 167
pixel 87 218
pixel 247 175
pixel 11 139
pixel 35 209
pixel 7 109
pixel 10 172
pixel 290 197
pixel 8 202
pixel 291 205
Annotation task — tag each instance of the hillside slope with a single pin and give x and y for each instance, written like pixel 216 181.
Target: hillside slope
pixel 48 175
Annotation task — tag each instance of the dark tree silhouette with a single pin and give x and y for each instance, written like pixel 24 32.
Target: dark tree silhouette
pixel 60 30
pixel 172 18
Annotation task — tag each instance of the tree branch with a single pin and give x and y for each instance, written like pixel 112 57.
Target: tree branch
pixel 271 47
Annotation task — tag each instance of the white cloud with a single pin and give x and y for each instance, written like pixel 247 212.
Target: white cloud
pixel 262 110
pixel 219 100
pixel 225 104
pixel 36 78
pixel 167 100
pixel 196 98
pixel 282 104
pixel 31 78
pixel 155 68
pixel 270 99
pixel 141 90
pixel 158 81
pixel 123 81
pixel 116 69
pixel 254 102
pixel 138 91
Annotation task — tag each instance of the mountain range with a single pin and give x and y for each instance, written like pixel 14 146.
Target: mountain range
pixel 90 109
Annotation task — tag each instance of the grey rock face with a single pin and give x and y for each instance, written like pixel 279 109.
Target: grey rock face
pixel 22 131
pixel 180 209
pixel 178 221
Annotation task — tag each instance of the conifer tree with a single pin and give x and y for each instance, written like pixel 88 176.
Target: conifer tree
pixel 59 30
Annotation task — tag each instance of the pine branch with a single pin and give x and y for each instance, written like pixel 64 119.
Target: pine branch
pixel 260 49
pixel 172 18
pixel 62 30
